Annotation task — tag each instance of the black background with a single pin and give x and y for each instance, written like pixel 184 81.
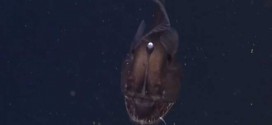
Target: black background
pixel 60 60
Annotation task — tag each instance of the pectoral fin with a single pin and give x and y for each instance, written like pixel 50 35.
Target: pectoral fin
pixel 169 40
pixel 138 35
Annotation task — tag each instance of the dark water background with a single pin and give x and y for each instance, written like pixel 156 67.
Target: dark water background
pixel 60 61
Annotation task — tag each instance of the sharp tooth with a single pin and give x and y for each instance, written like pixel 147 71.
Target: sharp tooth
pixel 126 96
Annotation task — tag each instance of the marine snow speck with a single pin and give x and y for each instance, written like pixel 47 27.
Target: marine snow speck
pixel 151 75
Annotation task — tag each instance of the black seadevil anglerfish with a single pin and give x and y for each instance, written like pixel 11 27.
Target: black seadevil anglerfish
pixel 151 75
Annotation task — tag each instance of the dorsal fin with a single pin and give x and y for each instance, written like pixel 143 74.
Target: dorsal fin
pixel 161 15
pixel 162 1
pixel 161 19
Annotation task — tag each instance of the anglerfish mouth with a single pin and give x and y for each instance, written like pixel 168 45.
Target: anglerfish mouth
pixel 146 110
